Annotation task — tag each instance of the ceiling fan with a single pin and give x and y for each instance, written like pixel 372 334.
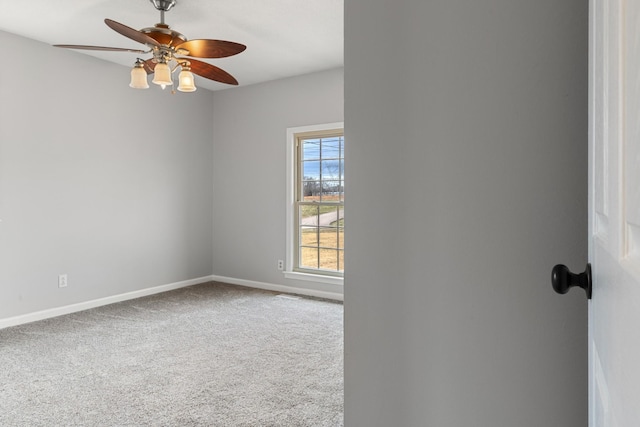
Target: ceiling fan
pixel 169 47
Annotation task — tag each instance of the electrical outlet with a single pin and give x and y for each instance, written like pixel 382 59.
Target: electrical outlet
pixel 62 281
pixel 280 265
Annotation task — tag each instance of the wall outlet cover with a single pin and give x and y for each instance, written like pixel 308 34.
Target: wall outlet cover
pixel 62 281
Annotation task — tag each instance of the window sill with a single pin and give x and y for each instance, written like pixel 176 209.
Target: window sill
pixel 331 280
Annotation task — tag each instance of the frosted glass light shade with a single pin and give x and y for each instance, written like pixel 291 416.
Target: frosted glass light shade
pixel 139 78
pixel 187 82
pixel 162 75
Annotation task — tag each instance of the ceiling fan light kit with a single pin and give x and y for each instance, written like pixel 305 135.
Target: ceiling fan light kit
pixel 186 81
pixel 171 50
pixel 139 76
pixel 162 75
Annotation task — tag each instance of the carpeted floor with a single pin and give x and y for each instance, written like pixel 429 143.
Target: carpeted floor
pixel 206 355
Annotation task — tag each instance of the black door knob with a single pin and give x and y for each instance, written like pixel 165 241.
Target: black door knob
pixel 562 279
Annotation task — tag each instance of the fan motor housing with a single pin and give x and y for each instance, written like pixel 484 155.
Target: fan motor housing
pixel 164 35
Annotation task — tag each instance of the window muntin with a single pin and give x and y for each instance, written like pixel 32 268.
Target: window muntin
pixel 319 202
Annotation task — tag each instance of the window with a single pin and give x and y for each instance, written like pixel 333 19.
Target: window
pixel 316 220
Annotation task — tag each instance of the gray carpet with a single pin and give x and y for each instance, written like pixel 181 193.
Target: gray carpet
pixel 206 355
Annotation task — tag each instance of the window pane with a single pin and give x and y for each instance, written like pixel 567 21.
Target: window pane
pixel 309 214
pixel 309 257
pixel 331 169
pixel 307 211
pixel 331 191
pixel 329 259
pixel 311 149
pixel 330 237
pixel 331 215
pixel 311 169
pixel 309 236
pixel 310 190
pixel 331 148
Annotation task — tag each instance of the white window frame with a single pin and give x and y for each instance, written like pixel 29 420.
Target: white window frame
pixel 291 234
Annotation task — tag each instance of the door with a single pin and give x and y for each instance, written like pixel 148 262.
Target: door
pixel 614 225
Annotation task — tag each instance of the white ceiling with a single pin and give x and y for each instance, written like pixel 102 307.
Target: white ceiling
pixel 283 37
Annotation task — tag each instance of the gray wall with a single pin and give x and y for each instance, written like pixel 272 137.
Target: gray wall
pixel 107 184
pixel 249 165
pixel 466 124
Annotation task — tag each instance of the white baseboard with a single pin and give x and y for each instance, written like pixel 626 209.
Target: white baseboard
pixel 279 288
pixel 81 306
pixel 73 308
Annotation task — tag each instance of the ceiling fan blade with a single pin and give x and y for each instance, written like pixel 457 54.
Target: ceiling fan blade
pixel 114 49
pixel 209 71
pixel 131 33
pixel 204 48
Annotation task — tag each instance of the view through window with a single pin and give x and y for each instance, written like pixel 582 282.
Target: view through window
pixel 320 202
